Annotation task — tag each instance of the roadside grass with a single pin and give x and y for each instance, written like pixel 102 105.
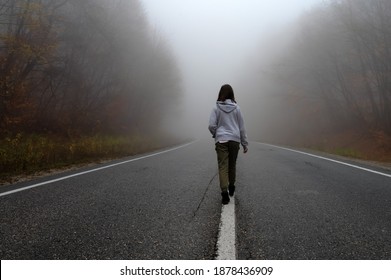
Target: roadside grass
pixel 348 152
pixel 25 154
pixel 344 152
pixel 356 144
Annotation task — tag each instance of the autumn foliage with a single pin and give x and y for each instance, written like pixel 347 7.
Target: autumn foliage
pixel 82 67
pixel 80 81
pixel 327 80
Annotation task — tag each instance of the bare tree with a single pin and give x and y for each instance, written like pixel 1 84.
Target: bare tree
pixel 81 67
pixel 337 68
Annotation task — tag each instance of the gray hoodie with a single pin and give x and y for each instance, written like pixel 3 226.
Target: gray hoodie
pixel 226 123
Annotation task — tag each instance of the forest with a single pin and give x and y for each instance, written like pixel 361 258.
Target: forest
pixel 324 81
pixel 81 80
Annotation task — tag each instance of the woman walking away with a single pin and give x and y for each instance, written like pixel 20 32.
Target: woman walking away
pixel 227 128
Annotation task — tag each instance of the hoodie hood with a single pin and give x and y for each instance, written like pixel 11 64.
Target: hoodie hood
pixel 226 106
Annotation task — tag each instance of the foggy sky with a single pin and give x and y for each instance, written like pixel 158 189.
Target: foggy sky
pixel 213 40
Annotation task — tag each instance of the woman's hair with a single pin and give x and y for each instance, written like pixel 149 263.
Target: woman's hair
pixel 226 92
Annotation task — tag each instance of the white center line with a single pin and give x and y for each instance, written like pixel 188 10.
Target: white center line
pixel 226 242
pixel 92 170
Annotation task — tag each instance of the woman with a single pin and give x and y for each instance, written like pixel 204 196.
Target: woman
pixel 227 128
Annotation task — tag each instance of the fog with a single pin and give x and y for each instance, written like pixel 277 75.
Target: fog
pixel 214 43
pixel 121 77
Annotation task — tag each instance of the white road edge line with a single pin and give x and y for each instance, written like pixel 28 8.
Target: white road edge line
pixel 226 242
pixel 329 159
pixel 93 170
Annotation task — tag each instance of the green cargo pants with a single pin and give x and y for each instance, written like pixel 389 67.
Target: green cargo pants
pixel 227 153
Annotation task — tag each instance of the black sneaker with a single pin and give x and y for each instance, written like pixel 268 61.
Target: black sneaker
pixel 231 190
pixel 225 198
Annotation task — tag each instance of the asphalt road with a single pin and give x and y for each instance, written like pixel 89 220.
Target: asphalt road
pixel 294 206
pixel 167 206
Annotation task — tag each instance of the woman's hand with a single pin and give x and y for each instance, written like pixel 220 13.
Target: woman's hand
pixel 245 149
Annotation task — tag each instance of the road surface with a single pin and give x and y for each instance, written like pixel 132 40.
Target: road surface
pixel 289 205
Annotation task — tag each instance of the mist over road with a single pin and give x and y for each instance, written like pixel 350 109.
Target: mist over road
pixel 167 206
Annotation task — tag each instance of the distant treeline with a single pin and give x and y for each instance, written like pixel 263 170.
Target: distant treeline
pixel 331 73
pixel 72 67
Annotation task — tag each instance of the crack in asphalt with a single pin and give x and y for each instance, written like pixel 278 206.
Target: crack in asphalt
pixel 203 196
